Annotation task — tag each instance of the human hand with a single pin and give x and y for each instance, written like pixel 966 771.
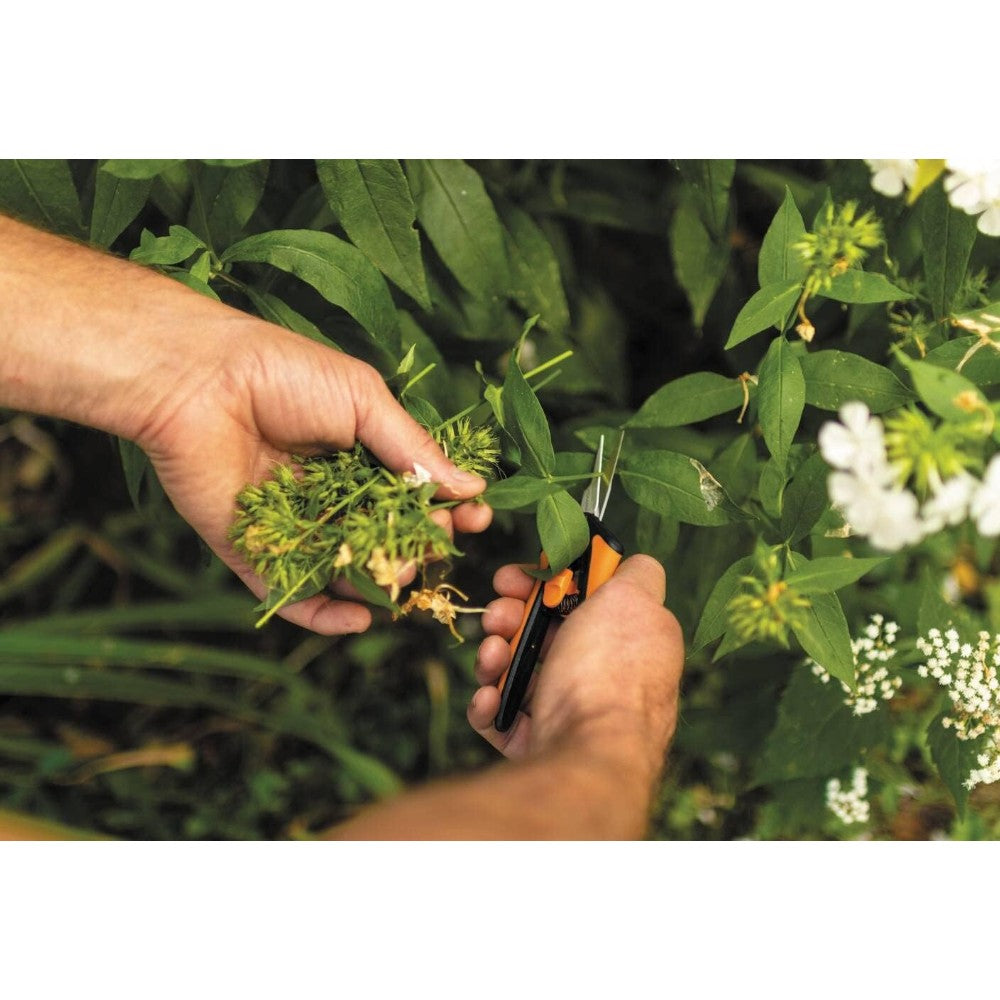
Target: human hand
pixel 609 678
pixel 253 395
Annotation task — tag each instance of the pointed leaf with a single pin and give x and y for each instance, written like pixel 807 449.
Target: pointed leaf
pixel 778 261
pixel 836 377
pixel 781 393
pixel 688 400
pixel 805 498
pixel 667 482
pixel 824 636
pixel 955 759
pixel 517 491
pixel 982 369
pixel 41 192
pixel 373 203
pixel 138 170
pixel 274 310
pixel 340 272
pixel 714 617
pixel 710 181
pixel 116 204
pixel 536 284
pixel 830 573
pixel 948 235
pixel 459 218
pixel 939 388
pixel 699 259
pixel 227 199
pixel 180 244
pixel 562 529
pixel 770 306
pixel 863 286
pixel 525 421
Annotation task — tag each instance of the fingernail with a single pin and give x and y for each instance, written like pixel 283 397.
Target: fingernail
pixel 472 704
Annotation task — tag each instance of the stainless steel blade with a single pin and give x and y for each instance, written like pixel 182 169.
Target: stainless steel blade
pixel 591 500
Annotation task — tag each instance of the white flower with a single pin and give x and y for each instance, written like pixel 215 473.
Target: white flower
pixel 973 185
pixel 985 505
pixel 950 502
pixel 850 806
pixel 857 443
pixel 989 221
pixel 889 177
pixel 889 517
pixel 418 477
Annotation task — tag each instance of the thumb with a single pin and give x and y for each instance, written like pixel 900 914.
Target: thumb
pixel 640 571
pixel 400 443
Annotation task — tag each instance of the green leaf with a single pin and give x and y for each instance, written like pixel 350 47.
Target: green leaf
pixel 816 734
pixel 824 636
pixel 180 244
pixel 709 181
pixel 422 411
pixel 771 487
pixel 536 284
pixel 830 573
pixel 195 284
pixel 770 306
pixel 699 259
pixel 805 498
pixel 368 588
pixel 736 467
pixel 836 377
pixel 116 204
pixel 863 286
pixel 688 400
pixel 714 617
pixel 340 272
pixel 656 535
pixel 517 491
pixel 135 465
pixel 935 612
pixel 373 203
pixel 274 310
pixel 226 200
pixel 562 529
pixel 670 483
pixel 525 421
pixel 982 369
pixel 229 163
pixel 138 170
pixel 948 235
pixel 777 261
pixel 939 388
pixel 954 759
pixel 41 192
pixel 456 213
pixel 781 393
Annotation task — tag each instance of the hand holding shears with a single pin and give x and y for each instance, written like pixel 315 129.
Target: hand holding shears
pixel 556 598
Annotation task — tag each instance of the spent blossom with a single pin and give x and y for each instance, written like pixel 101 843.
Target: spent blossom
pixel 849 805
pixel 874 681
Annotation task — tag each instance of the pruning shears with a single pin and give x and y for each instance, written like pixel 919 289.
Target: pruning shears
pixel 558 596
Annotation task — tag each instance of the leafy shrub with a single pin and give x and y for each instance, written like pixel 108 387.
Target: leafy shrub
pixel 802 357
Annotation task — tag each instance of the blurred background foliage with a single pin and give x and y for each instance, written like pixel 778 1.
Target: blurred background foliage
pixel 136 698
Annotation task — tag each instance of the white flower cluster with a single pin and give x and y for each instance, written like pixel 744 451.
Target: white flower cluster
pixel 972 186
pixel 865 490
pixel 873 649
pixel 970 675
pixel 849 805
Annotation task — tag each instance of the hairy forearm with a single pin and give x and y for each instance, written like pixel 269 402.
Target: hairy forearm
pixel 91 338
pixel 571 794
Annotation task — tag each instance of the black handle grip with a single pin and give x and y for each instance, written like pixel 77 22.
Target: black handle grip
pixel 523 661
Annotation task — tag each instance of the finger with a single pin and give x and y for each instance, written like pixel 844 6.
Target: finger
pixel 320 613
pixel 472 517
pixel 644 572
pixel 512 581
pixel 400 442
pixel 491 659
pixel 503 616
pixel 482 711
